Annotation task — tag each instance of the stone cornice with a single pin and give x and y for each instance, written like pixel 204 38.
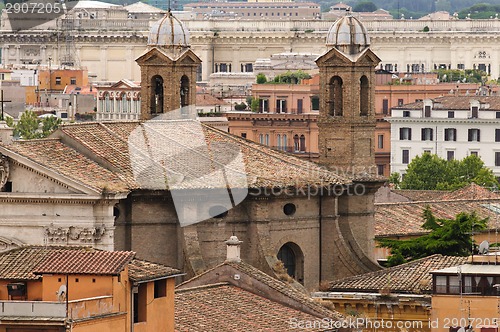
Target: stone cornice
pixel 445 120
pixel 8 197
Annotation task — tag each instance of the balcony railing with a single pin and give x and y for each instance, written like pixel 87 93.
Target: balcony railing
pixel 32 309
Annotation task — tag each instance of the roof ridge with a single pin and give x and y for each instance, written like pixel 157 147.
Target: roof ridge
pixel 439 201
pixel 209 286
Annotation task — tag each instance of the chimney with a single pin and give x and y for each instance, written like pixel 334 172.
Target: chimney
pixel 233 249
pixel 5 133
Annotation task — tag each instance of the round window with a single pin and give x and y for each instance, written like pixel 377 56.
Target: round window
pixel 289 209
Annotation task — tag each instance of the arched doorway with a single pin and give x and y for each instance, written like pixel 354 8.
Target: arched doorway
pixel 293 260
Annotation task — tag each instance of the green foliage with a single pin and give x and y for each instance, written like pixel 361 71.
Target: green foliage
pixel 261 78
pixel 395 179
pixel 429 172
pixel 480 11
pixel 9 121
pixel 291 77
pixel 240 107
pixel 452 237
pixel 426 29
pixel 30 126
pixel 365 6
pixel 455 75
pixel 254 105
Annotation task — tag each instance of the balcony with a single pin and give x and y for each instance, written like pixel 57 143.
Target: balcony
pixel 32 309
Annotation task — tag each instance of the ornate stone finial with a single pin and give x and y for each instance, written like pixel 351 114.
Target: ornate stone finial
pixel 233 249
pixel 4 171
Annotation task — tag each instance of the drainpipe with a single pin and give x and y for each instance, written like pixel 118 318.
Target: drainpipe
pixel 320 233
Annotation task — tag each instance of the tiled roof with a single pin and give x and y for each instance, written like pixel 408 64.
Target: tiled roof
pixel 421 195
pixel 278 285
pixel 456 103
pixel 140 270
pixel 118 149
pixel 18 264
pixel 22 263
pixel 412 278
pixel 62 159
pixel 206 99
pixel 84 262
pixel 405 218
pixel 223 307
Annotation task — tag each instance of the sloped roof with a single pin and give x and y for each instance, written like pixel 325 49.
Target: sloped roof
pixel 223 307
pixel 29 262
pixel 282 287
pixel 456 103
pixel 141 270
pixel 421 195
pixel 405 218
pixel 206 99
pixel 84 262
pixel 141 7
pixel 411 278
pixel 105 156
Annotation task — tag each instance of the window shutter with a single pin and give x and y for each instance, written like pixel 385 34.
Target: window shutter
pixel 409 134
pixel 470 135
pixel 423 134
pixel 400 133
pixel 497 135
pixel 431 131
pixel 478 135
pixel 454 134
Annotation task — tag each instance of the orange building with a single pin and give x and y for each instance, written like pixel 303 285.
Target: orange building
pixel 54 80
pixel 81 289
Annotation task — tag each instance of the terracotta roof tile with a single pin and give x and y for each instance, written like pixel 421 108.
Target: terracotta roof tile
pixel 84 262
pixel 421 195
pixel 222 307
pixel 141 270
pixel 412 278
pixel 206 99
pixel 132 155
pixel 405 218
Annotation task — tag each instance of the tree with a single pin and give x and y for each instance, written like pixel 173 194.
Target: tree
pixel 429 172
pixel 30 126
pixel 395 179
pixel 451 237
pixel 254 105
pixel 261 78
pixel 365 6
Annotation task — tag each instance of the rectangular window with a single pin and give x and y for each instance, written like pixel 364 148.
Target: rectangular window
pixel 160 288
pixel 441 284
pixel 475 111
pixel 385 106
pixel 497 158
pixel 474 153
pixel 380 169
pixel 427 111
pixel 406 114
pixel 450 134
pixel 474 135
pixel 498 115
pixel 380 141
pixel 427 134
pixel 140 303
pixel 405 134
pixel 400 102
pixel 72 81
pixel 299 106
pixel 450 155
pixel 497 135
pixel 244 135
pixel 406 156
pixel 453 285
pixel 461 66
pixel 451 114
pixel 264 105
pixel 281 106
pixel 58 81
pixel 315 103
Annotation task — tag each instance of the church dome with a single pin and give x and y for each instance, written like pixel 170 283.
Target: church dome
pixel 348 35
pixel 167 32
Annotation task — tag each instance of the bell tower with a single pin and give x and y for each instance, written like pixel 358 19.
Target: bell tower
pixel 168 69
pixel 347 94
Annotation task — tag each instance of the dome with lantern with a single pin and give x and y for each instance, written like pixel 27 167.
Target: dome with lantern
pixel 168 32
pixel 348 35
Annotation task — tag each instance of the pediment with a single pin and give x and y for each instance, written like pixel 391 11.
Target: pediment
pixel 333 57
pixel 369 58
pixel 154 56
pixel 125 84
pixel 9 243
pixel 189 58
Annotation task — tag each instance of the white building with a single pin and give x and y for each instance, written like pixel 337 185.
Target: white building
pixel 451 127
pixel 119 101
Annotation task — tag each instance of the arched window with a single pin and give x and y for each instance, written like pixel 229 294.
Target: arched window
pixel 267 139
pixel 107 103
pixel 156 94
pixel 335 96
pixel 296 143
pixel 278 141
pixel 184 91
pixel 293 260
pixel 302 143
pixel 261 139
pixel 285 143
pixel 364 96
pixel 124 103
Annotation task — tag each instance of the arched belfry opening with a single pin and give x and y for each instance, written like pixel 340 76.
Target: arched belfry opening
pixel 184 91
pixel 364 96
pixel 335 96
pixel 156 94
pixel 292 258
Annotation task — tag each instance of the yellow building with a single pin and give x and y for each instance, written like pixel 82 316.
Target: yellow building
pixel 467 295
pixel 81 289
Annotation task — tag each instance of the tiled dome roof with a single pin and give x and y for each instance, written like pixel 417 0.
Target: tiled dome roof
pixel 167 32
pixel 348 35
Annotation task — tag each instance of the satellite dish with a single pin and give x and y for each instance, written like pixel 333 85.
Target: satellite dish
pixel 61 293
pixel 461 329
pixel 484 248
